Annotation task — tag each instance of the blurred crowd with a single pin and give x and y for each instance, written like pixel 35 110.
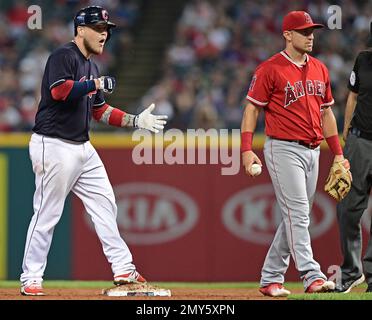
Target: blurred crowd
pixel 218 44
pixel 24 52
pixel 206 70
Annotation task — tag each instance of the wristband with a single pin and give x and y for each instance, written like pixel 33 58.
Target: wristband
pixel 135 121
pixel 246 141
pixel 334 144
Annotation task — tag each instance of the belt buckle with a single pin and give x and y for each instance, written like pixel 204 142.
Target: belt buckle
pixel 355 131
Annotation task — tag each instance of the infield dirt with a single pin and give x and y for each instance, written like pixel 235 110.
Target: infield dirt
pixel 177 294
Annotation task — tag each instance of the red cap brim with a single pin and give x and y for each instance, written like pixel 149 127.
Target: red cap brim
pixel 309 25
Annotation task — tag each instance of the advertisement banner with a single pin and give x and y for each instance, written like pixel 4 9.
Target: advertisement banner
pixel 191 223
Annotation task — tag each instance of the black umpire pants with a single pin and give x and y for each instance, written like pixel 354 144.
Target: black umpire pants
pixel 350 210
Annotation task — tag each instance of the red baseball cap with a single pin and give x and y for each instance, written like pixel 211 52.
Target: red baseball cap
pixel 298 20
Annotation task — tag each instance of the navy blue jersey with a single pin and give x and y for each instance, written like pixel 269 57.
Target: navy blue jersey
pixel 69 119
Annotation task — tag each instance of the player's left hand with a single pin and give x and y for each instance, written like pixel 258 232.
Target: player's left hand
pixel 146 120
pixel 339 180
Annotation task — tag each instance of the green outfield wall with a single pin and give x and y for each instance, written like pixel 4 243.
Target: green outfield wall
pixel 16 209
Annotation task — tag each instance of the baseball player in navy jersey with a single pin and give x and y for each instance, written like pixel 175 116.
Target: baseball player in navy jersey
pixel 294 91
pixel 64 160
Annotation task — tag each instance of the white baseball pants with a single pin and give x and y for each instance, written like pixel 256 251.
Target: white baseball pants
pixel 62 166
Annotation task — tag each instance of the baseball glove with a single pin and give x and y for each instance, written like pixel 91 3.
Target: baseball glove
pixel 339 179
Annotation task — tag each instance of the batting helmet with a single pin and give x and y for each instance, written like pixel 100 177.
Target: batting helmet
pixel 93 15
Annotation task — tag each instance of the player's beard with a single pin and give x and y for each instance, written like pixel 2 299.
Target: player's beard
pixel 308 49
pixel 89 48
pixel 304 49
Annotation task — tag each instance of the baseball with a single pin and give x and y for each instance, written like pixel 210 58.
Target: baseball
pixel 256 169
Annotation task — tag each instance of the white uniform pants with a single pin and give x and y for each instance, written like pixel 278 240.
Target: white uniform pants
pixel 294 172
pixel 61 166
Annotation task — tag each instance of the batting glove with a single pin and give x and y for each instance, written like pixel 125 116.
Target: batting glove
pixel 146 120
pixel 107 84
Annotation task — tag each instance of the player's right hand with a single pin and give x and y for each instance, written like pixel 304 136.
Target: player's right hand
pixel 107 84
pixel 249 158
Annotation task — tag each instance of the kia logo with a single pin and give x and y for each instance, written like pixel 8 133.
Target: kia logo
pixel 254 215
pixel 151 213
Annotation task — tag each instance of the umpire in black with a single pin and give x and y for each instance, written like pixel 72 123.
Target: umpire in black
pixel 358 149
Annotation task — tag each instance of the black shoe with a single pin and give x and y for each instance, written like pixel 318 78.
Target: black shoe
pixel 346 286
pixel 369 289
